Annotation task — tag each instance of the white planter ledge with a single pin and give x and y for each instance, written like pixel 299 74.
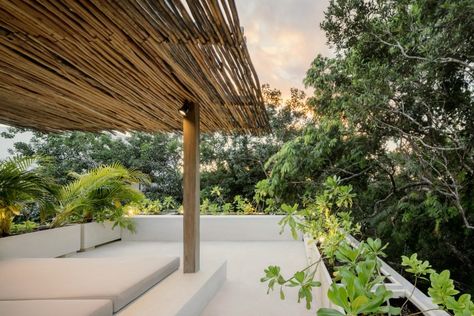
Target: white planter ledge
pixel 322 275
pixel 47 243
pixel 213 228
pixel 95 234
pixel 399 285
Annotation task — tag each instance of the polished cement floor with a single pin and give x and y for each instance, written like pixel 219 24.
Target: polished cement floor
pixel 242 294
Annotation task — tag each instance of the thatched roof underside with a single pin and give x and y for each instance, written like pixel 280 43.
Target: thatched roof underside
pixel 126 65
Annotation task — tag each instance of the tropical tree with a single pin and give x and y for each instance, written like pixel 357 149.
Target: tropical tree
pixel 158 155
pixel 100 194
pixel 237 162
pixel 233 162
pixel 22 183
pixel 394 117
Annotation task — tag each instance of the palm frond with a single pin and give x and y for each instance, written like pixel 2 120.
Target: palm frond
pixel 20 183
pixel 97 191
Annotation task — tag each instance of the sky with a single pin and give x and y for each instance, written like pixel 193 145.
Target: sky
pixel 283 38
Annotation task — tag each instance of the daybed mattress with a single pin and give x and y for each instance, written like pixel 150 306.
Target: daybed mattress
pixel 120 280
pixel 56 308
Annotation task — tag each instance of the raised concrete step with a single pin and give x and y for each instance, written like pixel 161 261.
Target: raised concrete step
pixel 181 294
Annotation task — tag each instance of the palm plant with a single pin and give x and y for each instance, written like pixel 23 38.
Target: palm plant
pixel 21 183
pixel 100 195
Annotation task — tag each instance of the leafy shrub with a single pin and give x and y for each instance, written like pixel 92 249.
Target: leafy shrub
pixel 99 195
pixel 264 197
pixel 151 207
pixel 169 203
pixel 355 292
pixel 441 289
pixel 242 205
pixel 24 227
pixel 208 207
pixel 358 286
pixel 20 184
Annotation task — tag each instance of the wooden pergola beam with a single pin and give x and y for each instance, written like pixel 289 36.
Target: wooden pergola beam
pixel 191 189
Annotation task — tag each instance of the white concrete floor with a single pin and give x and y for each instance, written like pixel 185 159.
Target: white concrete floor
pixel 242 293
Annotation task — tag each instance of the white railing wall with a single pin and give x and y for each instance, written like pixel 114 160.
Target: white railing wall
pixel 213 228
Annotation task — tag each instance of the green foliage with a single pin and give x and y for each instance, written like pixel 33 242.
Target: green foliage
pixel 151 207
pixel 99 195
pixel 272 276
pixel 355 279
pixel 394 118
pixel 169 203
pixel 243 205
pixel 464 306
pixel 374 248
pixel 304 280
pixel 441 291
pixel 355 292
pixel 318 221
pixel 417 267
pixel 227 208
pixel 22 183
pixel 327 219
pixel 329 312
pixel 236 162
pixel 216 191
pixel 24 227
pixel 157 155
pixel 347 254
pixel 358 284
pixel 145 207
pixel 349 257
pixel 441 288
pixel 290 219
pixel 207 207
pixel 265 198
pixel 302 162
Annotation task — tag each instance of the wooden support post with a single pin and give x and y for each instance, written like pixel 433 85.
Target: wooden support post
pixel 191 189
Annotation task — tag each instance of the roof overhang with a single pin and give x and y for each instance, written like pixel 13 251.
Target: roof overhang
pixel 126 65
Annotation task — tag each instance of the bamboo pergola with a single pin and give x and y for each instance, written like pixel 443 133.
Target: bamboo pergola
pixel 126 65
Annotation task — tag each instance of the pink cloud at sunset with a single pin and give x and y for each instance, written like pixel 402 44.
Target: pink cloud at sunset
pixel 283 38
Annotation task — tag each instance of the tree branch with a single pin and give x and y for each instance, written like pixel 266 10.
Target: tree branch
pixel 439 59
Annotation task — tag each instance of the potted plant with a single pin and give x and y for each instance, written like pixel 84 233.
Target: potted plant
pixel 97 200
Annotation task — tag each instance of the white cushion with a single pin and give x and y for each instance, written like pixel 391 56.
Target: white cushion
pixel 56 308
pixel 120 280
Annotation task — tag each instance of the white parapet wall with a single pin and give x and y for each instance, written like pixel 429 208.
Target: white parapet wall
pixel 42 244
pixel 95 234
pixel 213 228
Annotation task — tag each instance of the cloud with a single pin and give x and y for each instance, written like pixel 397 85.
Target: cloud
pixel 283 38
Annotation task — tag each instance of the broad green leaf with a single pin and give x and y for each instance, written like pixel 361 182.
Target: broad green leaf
pixel 358 302
pixel 329 312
